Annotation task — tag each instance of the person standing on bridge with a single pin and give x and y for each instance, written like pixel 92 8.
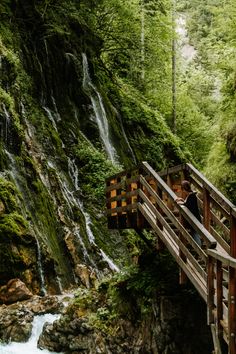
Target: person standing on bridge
pixel 189 199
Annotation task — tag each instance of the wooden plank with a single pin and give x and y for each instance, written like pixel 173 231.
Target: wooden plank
pixel 219 299
pixel 172 218
pixel 216 342
pixel 232 311
pixel 225 312
pixel 123 196
pixel 221 225
pixel 206 209
pixel 178 242
pixel 173 249
pixel 223 257
pixel 131 207
pixel 224 324
pixel 122 185
pixel 225 274
pixel 212 189
pixel 210 290
pixel 225 292
pixel 233 236
pixel 220 240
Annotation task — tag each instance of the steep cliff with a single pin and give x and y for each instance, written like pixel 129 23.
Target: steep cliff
pixel 66 124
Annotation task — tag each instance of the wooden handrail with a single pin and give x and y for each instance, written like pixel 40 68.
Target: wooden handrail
pixel 184 212
pixel 141 198
pixel 222 257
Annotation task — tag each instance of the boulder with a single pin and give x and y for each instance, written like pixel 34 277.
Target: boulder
pixel 14 291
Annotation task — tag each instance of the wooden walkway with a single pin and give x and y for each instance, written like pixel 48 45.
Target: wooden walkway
pixel 142 198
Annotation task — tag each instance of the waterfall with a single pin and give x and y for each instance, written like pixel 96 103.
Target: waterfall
pixel 73 173
pixel 30 347
pixel 111 264
pixel 99 110
pixel 7 124
pixel 51 118
pixel 40 269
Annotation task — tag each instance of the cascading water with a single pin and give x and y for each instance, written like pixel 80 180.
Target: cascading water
pixel 111 264
pixel 51 118
pixel 7 123
pixel 73 173
pixel 30 347
pixel 99 111
pixel 43 290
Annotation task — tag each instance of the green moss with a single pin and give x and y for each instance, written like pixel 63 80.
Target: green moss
pixel 9 195
pixel 12 225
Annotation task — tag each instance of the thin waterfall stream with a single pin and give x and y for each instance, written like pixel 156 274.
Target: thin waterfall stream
pixel 99 111
pixel 73 172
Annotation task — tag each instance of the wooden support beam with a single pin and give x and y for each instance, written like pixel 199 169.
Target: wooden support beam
pixel 210 290
pixel 219 300
pixel 206 209
pixel 232 311
pixel 233 236
pixel 182 276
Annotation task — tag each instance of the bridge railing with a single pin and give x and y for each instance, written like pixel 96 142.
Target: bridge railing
pixel 141 198
pixel 222 296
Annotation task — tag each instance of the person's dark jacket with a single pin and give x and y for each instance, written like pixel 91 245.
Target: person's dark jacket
pixel 192 205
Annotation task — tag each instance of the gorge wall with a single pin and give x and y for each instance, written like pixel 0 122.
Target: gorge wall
pixel 65 126
pixel 66 123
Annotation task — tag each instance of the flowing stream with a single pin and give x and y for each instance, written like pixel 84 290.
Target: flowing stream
pixel 30 347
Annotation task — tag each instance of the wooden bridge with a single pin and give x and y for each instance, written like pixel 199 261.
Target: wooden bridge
pixel 142 198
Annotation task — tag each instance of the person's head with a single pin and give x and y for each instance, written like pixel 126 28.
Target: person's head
pixel 186 187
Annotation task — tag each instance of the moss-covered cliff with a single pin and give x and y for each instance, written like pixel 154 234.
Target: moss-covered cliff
pixel 67 122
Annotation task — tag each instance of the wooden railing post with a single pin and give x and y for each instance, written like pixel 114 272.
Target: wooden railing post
pixel 128 201
pixel 210 290
pixel 182 276
pixel 206 209
pixel 160 244
pixel 232 288
pixel 169 183
pixel 219 300
pixel 140 217
pixel 112 219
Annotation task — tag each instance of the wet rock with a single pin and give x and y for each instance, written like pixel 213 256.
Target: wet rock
pixel 15 323
pixel 84 274
pixel 16 319
pixel 14 291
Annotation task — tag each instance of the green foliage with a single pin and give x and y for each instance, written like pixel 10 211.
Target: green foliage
pixel 94 168
pixel 147 130
pixel 193 126
pixel 221 171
